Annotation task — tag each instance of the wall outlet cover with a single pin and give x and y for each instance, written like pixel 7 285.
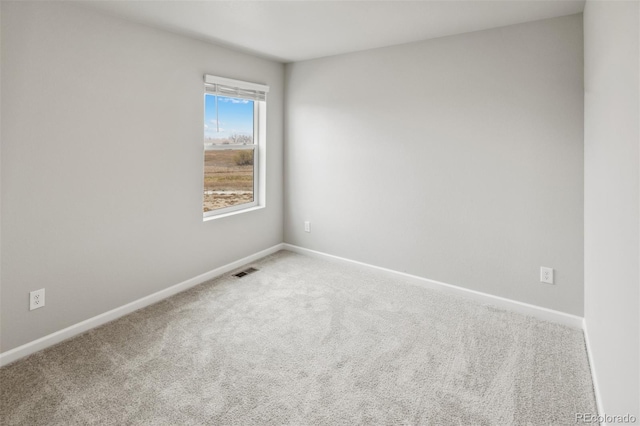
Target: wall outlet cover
pixel 546 275
pixel 36 299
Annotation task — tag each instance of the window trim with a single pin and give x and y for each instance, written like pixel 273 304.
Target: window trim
pixel 258 146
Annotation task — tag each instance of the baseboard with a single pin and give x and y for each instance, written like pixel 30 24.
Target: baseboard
pixel 71 331
pixel 592 367
pixel 539 312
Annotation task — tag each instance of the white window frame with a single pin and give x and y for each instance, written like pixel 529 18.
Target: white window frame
pixel 256 93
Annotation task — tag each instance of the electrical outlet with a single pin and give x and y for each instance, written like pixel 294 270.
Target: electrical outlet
pixel 36 299
pixel 307 226
pixel 546 275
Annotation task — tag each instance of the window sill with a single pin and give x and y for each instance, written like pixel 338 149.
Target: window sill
pixel 233 213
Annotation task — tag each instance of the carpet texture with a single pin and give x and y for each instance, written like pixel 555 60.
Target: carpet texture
pixel 305 341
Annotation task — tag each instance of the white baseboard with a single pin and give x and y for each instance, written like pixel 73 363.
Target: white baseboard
pixel 508 304
pixel 58 336
pixel 66 333
pixel 592 367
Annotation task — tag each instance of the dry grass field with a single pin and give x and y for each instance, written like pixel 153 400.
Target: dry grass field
pixel 225 182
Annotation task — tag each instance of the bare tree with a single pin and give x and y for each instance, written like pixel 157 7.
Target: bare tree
pixel 239 139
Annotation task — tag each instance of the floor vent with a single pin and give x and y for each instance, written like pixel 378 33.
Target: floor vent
pixel 245 272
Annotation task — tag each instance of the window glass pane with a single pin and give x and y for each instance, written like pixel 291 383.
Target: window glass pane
pixel 227 120
pixel 228 178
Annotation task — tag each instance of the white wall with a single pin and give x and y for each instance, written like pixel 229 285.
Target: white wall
pixel 0 175
pixel 457 159
pixel 102 164
pixel 612 212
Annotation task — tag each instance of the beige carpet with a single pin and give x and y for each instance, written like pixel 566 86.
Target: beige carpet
pixel 306 342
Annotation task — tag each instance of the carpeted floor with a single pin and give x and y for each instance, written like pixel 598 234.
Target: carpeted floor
pixel 306 342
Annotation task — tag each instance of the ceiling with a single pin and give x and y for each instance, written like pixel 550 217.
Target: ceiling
pixel 289 31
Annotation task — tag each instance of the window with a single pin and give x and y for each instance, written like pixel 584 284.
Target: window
pixel 234 133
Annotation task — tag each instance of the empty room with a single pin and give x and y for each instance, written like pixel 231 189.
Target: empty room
pixel 320 212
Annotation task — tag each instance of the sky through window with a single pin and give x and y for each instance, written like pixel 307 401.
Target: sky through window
pixel 234 117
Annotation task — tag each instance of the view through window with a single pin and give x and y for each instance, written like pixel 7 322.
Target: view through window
pixel 230 162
